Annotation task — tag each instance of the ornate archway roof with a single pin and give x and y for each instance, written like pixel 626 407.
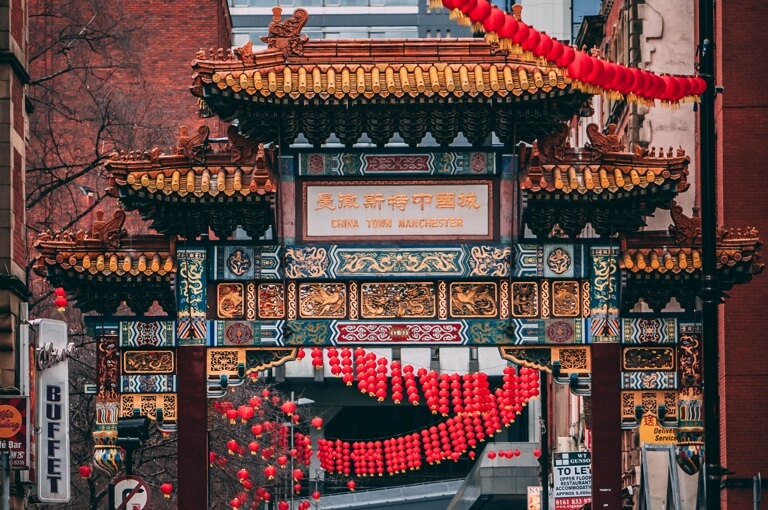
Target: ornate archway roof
pixel 379 87
pixel 599 184
pixel 657 266
pixel 104 266
pixel 198 186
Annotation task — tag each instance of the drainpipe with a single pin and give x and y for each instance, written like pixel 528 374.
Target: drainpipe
pixel 635 59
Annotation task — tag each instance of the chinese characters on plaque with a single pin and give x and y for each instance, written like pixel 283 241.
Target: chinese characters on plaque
pixel 403 211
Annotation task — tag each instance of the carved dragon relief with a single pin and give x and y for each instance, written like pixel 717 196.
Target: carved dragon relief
pixel 243 148
pixel 285 36
pixel 194 147
pixel 601 144
pixel 554 146
pixel 687 230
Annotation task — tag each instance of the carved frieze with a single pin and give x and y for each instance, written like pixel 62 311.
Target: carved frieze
pixel 148 362
pixel 271 301
pixel 149 404
pixel 230 299
pixel 397 300
pixel 525 299
pixel 323 300
pixel 474 299
pixel 565 299
pixel 648 358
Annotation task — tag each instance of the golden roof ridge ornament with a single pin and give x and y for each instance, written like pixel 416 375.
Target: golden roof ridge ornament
pixel 107 233
pixel 285 36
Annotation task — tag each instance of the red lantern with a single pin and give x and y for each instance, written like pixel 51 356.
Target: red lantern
pixel 298 474
pixel 567 57
pixel 232 446
pixel 283 505
pixel 351 485
pixel 611 77
pixel 625 79
pixel 166 489
pixel 595 77
pixel 581 66
pixel 635 81
pixel 481 11
pixel 243 474
pixel 494 21
pixel 492 455
pixel 236 503
pixel 532 40
pixel 85 471
pixel 316 422
pixel 316 495
pixel 61 298
pixel 700 86
pixel 556 51
pixel 282 460
pixel 658 87
pixel 270 472
pixel 545 44
pixel 671 89
pixel 509 28
pixel 232 414
pixel 61 303
pixel 537 453
pixel 245 412
pixel 288 407
pixel 467 6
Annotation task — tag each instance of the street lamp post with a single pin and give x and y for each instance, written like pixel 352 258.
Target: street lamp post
pixel 710 289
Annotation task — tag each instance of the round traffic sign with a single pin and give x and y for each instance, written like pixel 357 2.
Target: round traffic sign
pixel 131 493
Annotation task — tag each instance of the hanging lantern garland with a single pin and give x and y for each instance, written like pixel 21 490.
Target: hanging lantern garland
pixel 587 72
pixel 472 413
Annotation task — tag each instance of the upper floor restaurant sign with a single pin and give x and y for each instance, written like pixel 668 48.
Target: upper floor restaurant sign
pixel 398 210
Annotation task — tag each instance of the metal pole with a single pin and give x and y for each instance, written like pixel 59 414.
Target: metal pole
pixel 289 482
pixel 544 459
pixel 710 290
pixel 757 490
pixel 6 466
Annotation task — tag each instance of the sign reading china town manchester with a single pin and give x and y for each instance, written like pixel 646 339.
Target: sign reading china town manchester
pixel 398 210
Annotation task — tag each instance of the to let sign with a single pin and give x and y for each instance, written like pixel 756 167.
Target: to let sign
pixel 14 431
pixel 573 480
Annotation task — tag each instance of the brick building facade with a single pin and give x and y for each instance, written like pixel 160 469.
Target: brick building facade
pixel 741 129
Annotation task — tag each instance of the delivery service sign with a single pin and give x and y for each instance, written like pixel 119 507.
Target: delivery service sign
pixel 573 480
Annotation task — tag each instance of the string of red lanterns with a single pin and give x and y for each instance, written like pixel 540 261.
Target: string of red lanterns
pixel 588 72
pixel 472 410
